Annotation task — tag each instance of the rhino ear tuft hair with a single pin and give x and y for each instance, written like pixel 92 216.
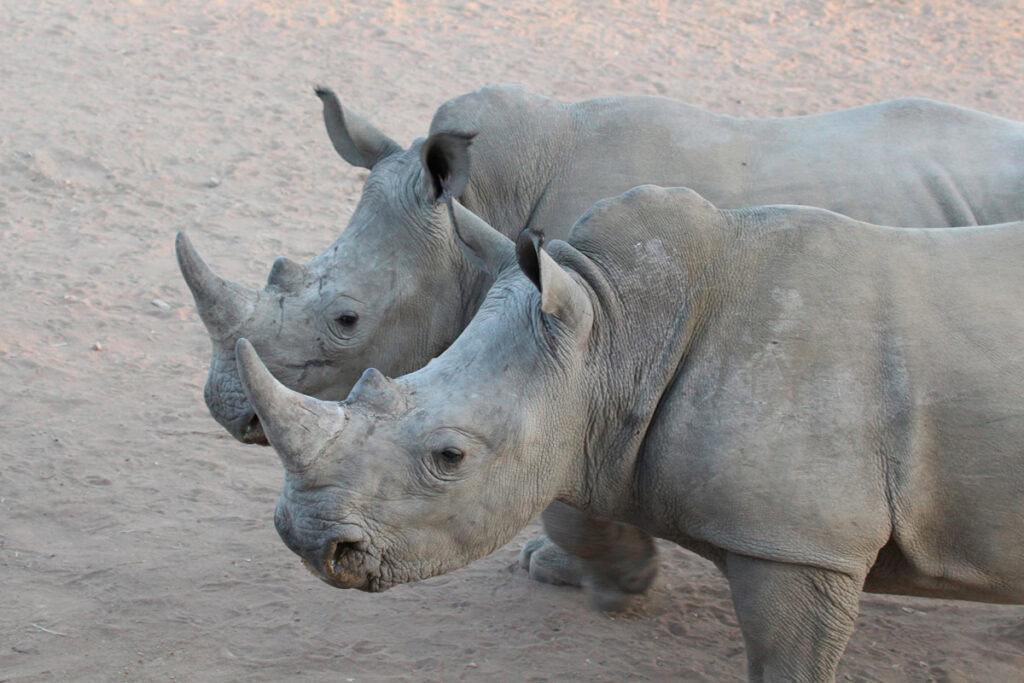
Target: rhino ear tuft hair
pixel 445 157
pixel 297 426
pixel 357 140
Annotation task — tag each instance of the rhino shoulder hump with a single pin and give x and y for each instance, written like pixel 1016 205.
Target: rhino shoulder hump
pixel 680 202
pixel 644 204
pixel 487 105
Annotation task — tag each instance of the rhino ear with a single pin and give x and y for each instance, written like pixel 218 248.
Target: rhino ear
pixel 445 158
pixel 297 426
pixel 357 140
pixel 528 246
pixel 560 295
pixel 482 245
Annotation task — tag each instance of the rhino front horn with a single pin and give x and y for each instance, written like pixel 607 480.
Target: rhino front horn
pixel 223 305
pixel 297 426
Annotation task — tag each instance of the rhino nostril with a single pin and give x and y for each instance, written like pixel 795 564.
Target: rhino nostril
pixel 346 558
pixel 340 551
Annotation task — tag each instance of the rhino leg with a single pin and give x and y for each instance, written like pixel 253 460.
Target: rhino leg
pixel 612 561
pixel 795 619
pixel 548 563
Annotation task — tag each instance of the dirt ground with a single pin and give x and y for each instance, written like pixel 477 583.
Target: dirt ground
pixel 136 537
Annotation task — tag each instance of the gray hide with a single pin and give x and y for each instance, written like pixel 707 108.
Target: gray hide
pixel 539 163
pixel 393 292
pixel 816 405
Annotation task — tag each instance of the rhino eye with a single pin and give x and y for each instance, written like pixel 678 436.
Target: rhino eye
pixel 450 458
pixel 347 320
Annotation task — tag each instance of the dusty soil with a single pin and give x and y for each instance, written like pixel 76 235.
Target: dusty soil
pixel 136 538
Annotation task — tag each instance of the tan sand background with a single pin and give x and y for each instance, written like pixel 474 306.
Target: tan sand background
pixel 137 533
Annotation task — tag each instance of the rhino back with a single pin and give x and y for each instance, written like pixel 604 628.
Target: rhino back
pixel 910 162
pixel 853 386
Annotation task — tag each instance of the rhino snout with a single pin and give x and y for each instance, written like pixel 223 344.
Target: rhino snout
pixel 335 553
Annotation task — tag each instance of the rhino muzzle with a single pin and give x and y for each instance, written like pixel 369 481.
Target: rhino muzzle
pixel 228 405
pixel 244 426
pixel 336 553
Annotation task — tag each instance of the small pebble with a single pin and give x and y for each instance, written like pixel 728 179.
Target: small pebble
pixel 161 304
pixel 213 181
pixel 97 347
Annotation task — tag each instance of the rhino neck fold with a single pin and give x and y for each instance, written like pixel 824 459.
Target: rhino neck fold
pixel 523 140
pixel 510 210
pixel 641 345
pixel 614 451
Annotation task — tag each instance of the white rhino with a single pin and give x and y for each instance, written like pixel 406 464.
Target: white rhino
pixel 393 291
pixel 818 406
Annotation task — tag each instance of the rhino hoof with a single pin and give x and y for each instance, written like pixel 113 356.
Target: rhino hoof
pixel 547 563
pixel 610 581
pixel 612 586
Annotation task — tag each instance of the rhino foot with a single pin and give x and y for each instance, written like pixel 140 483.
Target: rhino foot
pixel 625 571
pixel 547 563
pixel 610 580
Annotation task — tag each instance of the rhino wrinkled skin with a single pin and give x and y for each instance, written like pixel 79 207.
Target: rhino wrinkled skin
pixel 393 291
pixel 818 406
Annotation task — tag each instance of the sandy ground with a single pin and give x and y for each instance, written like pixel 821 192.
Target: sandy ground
pixel 136 538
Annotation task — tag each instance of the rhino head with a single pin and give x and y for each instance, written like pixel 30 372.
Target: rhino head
pixel 417 476
pixel 391 292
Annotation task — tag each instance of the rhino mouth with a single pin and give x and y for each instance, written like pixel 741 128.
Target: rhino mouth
pixel 252 432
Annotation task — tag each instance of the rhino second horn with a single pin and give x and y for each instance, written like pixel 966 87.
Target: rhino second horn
pixel 223 305
pixel 376 392
pixel 297 426
pixel 286 274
